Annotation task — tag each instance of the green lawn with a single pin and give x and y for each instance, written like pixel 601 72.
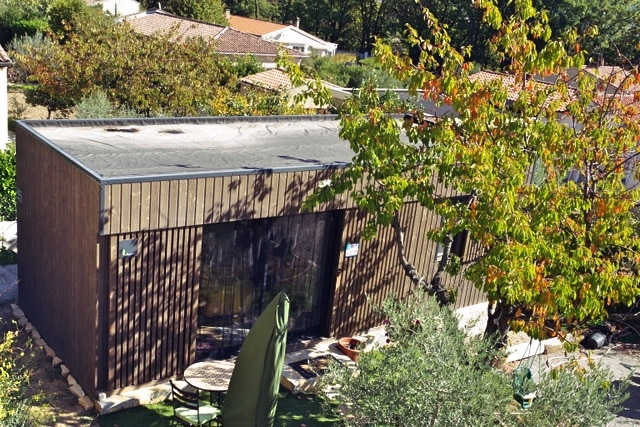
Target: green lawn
pixel 293 411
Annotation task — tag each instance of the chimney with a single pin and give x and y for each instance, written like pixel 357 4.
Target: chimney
pixel 297 22
pixel 227 14
pixel 159 6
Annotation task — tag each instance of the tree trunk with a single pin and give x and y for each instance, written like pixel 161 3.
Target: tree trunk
pixel 434 287
pixel 498 317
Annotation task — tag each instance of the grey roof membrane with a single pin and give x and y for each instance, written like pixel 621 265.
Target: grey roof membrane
pixel 126 150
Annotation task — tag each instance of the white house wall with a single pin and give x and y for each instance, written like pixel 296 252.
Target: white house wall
pixel 121 7
pixel 295 38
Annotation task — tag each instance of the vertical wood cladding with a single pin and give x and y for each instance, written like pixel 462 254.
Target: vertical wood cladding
pixel 362 282
pixel 133 207
pixel 152 307
pixel 58 252
pixel 365 281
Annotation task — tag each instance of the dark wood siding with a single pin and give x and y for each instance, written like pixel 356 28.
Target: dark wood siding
pixel 58 221
pixel 152 307
pixel 133 207
pixel 368 279
pixel 165 217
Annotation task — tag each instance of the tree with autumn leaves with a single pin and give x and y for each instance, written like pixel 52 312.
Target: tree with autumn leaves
pixel 558 251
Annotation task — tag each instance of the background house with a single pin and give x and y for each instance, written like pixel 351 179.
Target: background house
pixel 228 42
pixel 290 36
pixel 148 243
pixel 117 7
pixel 5 64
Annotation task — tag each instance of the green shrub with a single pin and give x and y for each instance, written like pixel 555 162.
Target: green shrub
pixel 7 256
pixel 14 382
pixel 97 106
pixel 23 45
pixel 432 374
pixel 247 65
pixel 19 17
pixel 8 210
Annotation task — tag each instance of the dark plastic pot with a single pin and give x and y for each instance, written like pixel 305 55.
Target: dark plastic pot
pixel 595 340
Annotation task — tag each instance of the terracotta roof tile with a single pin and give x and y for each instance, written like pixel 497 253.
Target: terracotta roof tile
pixel 628 100
pixel 274 79
pixel 154 21
pixel 228 41
pixel 613 75
pixel 231 41
pixel 512 86
pixel 253 26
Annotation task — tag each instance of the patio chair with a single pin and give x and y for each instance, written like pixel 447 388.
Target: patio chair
pixel 189 410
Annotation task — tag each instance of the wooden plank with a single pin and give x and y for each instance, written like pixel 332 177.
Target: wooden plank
pixel 106 213
pixel 172 203
pixel 112 324
pixel 232 186
pixel 116 206
pixel 165 309
pixel 200 202
pixel 127 321
pixel 170 332
pixel 156 303
pixel 144 323
pixel 139 316
pixel 163 205
pixel 226 199
pixel 217 197
pixel 193 292
pixel 154 205
pixel 145 206
pixel 182 200
pixel 191 202
pixel 125 208
pixel 245 204
pixel 277 197
pixel 262 190
pixel 136 205
pixel 247 201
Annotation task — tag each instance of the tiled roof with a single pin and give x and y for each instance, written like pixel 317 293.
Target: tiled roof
pixel 5 61
pixel 512 86
pixel 154 21
pixel 231 41
pixel 274 79
pixel 228 41
pixel 613 75
pixel 627 99
pixel 253 26
pixel 619 102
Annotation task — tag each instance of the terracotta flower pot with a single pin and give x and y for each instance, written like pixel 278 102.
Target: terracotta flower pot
pixel 351 347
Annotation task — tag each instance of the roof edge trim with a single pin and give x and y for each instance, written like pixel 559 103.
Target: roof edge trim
pixel 70 123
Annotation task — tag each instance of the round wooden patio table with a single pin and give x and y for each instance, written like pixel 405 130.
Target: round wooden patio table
pixel 210 375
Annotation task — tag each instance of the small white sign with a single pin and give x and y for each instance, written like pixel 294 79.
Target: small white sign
pixel 351 249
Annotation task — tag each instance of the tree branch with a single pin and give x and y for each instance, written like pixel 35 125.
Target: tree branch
pixel 433 288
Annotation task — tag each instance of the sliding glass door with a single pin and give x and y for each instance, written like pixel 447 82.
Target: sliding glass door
pixel 246 263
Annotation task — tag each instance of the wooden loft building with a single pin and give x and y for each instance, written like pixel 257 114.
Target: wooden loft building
pixel 146 244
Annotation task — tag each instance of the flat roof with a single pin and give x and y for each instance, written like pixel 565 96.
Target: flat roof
pixel 130 150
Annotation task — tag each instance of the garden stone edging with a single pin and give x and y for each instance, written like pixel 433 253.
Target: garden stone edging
pixel 74 388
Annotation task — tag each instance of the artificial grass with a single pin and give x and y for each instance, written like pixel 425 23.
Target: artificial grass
pixel 294 410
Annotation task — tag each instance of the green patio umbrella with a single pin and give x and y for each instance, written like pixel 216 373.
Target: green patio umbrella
pixel 253 389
